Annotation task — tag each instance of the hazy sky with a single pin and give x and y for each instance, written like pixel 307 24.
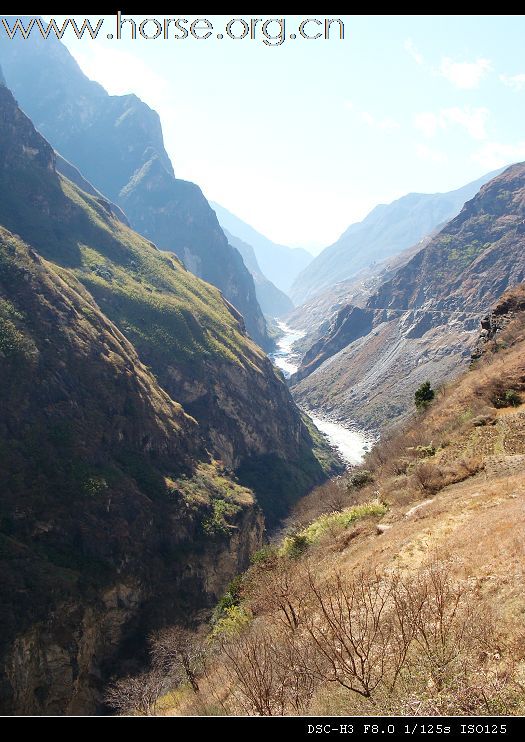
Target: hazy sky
pixel 304 138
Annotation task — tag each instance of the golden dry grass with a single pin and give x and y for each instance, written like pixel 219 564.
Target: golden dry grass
pixel 453 481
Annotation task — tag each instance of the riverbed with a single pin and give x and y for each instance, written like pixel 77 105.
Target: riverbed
pixel 349 442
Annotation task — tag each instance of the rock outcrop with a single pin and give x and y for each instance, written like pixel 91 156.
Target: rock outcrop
pixel 508 309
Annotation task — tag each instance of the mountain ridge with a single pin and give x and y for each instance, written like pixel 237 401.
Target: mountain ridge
pixel 273 301
pixel 117 145
pixel 136 412
pixel 385 231
pixel 420 323
pixel 279 263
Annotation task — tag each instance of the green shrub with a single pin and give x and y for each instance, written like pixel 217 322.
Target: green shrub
pixel 509 398
pixel 342 519
pixel 293 546
pixel 423 396
pixel 266 554
pixel 231 598
pixel 216 524
pixel 361 477
pixel 234 619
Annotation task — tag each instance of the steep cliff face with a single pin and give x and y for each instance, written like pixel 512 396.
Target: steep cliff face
pixel 116 142
pixel 107 525
pixel 386 231
pixel 422 324
pixel 193 340
pixel 111 520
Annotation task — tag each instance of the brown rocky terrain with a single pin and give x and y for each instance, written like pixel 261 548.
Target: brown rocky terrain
pixel 317 315
pixel 422 324
pixel 402 593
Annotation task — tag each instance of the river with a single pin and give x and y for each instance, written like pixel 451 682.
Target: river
pixel 349 442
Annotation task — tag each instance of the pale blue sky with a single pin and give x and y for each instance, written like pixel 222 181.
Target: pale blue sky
pixel 302 139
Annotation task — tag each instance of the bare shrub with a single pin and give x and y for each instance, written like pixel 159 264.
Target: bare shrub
pixel 455 665
pixel 260 682
pixel 500 392
pixel 362 630
pixel 179 654
pixel 137 694
pixel 279 589
pixel 428 478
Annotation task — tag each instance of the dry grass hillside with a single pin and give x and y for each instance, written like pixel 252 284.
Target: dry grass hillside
pixel 397 589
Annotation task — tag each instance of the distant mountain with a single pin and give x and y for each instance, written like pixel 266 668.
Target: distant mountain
pixel 279 263
pixel 117 145
pixel 316 315
pixel 273 301
pixel 423 322
pixel 2 78
pixel 387 230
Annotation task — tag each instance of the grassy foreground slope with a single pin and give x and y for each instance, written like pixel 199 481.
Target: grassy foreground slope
pixel 398 589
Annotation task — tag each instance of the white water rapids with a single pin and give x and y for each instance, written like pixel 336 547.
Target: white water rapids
pixel 350 443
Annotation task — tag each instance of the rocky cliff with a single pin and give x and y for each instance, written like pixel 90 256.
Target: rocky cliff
pixel 193 340
pixel 508 310
pixel 119 509
pixel 108 497
pixel 422 324
pixel 116 142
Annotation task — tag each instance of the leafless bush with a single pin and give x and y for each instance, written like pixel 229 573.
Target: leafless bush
pixel 362 631
pixel 264 673
pixel 278 589
pixel 428 478
pixel 179 654
pixel 137 694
